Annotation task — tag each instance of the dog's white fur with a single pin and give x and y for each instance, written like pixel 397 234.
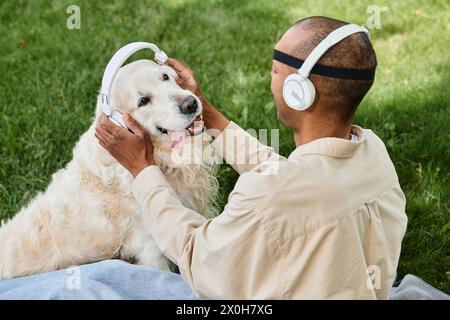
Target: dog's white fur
pixel 88 212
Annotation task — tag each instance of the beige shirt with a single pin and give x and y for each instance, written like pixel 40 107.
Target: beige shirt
pixel 326 223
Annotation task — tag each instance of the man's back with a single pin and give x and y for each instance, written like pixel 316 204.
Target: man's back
pixel 339 218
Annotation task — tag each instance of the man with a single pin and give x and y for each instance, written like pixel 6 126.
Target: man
pixel 327 222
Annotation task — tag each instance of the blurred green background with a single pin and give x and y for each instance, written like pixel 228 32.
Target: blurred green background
pixel 50 76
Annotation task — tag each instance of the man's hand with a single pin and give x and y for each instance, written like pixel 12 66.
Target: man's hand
pixel 134 150
pixel 186 77
pixel 213 118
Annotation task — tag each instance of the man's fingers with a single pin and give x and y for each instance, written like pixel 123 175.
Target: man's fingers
pixel 107 125
pixel 104 121
pixel 133 125
pixel 103 135
pixel 183 72
pixel 100 135
pixel 137 129
pixel 176 65
pixel 101 139
pixel 103 144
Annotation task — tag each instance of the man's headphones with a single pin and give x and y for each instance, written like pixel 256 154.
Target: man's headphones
pixel 298 90
pixel 113 66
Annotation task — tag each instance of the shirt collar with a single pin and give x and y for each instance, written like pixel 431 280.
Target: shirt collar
pixel 333 147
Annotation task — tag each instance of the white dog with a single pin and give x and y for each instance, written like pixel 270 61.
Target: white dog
pixel 88 213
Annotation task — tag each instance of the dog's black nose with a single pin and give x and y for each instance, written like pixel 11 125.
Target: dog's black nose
pixel 188 105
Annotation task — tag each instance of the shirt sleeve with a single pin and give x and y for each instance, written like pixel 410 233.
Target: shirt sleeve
pixel 241 150
pixel 221 257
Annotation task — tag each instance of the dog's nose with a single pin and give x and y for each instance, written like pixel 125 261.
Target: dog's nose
pixel 188 105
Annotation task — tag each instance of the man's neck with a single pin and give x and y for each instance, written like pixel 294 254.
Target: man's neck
pixel 312 130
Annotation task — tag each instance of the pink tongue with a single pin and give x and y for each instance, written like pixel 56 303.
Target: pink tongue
pixel 177 137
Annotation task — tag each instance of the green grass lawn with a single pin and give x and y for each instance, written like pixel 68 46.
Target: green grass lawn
pixel 50 76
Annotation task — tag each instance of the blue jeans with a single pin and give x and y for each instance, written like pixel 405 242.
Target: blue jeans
pixel 110 279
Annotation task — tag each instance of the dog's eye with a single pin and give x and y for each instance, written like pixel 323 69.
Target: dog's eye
pixel 165 76
pixel 144 101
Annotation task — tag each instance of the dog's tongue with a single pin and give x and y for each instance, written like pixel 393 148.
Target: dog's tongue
pixel 177 137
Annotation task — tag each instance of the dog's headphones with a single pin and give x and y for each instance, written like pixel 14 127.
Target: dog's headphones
pixel 298 90
pixel 113 66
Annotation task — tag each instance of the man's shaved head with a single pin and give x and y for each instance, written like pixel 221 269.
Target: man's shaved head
pixel 339 98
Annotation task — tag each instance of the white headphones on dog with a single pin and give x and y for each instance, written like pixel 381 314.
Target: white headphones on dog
pixel 114 65
pixel 298 90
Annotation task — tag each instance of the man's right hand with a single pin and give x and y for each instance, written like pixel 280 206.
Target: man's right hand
pixel 213 118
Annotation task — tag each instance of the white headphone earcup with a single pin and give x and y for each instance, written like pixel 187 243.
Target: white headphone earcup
pixel 298 92
pixel 106 108
pixel 310 93
pixel 116 117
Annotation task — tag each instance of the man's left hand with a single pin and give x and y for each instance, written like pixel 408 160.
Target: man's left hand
pixel 134 150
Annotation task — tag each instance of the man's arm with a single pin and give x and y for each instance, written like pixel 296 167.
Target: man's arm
pixel 229 256
pixel 239 149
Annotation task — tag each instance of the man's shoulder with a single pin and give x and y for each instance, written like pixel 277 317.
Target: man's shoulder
pixel 378 149
pixel 270 179
pixel 373 138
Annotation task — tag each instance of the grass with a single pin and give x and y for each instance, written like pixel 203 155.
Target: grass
pixel 50 75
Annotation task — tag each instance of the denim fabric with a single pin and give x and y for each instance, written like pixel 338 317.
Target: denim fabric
pixel 110 279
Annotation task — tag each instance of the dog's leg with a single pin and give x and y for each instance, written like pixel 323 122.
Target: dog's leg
pixel 140 248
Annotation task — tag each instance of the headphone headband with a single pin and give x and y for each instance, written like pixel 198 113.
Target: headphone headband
pixel 334 37
pixel 113 67
pixel 323 70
